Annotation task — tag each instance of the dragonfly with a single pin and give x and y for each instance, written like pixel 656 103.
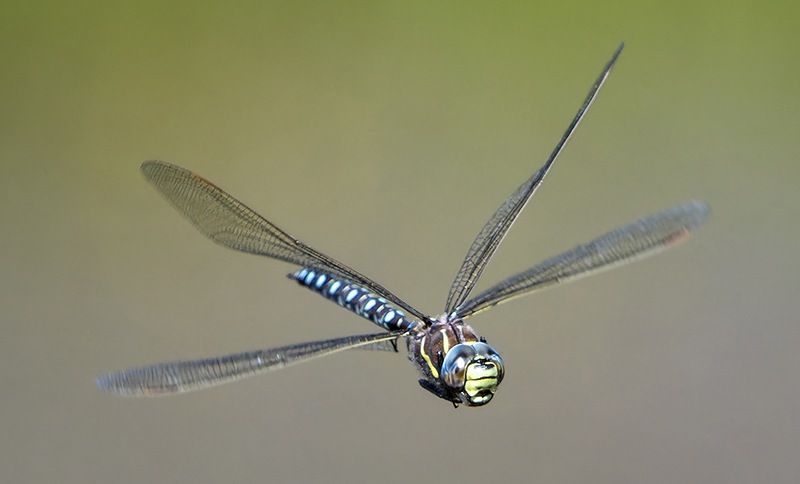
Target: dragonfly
pixel 455 363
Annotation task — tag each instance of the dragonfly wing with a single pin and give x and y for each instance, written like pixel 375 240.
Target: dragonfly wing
pixel 625 244
pixel 230 223
pixel 492 233
pixel 185 376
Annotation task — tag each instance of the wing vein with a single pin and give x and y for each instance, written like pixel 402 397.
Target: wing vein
pixel 190 375
pixel 232 224
pixel 639 239
pixel 492 234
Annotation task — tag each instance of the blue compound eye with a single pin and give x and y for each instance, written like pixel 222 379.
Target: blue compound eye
pixel 454 366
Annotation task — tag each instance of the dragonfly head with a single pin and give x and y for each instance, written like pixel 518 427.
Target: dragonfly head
pixel 472 372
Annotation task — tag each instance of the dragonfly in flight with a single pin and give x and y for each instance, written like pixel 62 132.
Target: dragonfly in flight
pixel 456 364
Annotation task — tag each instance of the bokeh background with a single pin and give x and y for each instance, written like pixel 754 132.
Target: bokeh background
pixel 385 134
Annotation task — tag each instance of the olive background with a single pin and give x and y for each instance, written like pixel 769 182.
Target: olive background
pixel 385 134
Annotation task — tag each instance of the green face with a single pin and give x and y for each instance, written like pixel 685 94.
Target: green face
pixel 472 371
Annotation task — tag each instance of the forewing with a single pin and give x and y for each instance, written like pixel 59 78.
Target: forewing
pixel 490 236
pixel 625 244
pixel 185 376
pixel 230 223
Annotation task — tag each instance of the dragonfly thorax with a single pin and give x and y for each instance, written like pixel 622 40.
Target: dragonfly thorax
pixel 456 363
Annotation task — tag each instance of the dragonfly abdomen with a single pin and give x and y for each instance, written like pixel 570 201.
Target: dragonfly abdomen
pixel 355 298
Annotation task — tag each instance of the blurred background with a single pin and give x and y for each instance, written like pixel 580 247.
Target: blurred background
pixel 385 134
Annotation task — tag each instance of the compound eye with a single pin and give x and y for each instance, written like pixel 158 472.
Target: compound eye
pixel 454 366
pixel 486 352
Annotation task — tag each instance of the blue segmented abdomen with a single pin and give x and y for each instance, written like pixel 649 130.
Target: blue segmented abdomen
pixel 355 298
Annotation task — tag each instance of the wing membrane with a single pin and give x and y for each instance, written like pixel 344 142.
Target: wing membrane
pixel 230 223
pixel 185 376
pixel 625 244
pixel 492 233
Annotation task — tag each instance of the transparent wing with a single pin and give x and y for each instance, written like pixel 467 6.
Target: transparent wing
pixel 625 244
pixel 492 233
pixel 185 376
pixel 230 223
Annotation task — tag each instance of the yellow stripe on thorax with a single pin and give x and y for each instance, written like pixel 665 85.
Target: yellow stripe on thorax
pixel 427 359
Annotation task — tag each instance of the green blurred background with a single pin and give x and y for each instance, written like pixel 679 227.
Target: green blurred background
pixel 385 134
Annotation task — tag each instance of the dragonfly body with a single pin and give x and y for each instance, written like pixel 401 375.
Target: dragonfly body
pixel 456 363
